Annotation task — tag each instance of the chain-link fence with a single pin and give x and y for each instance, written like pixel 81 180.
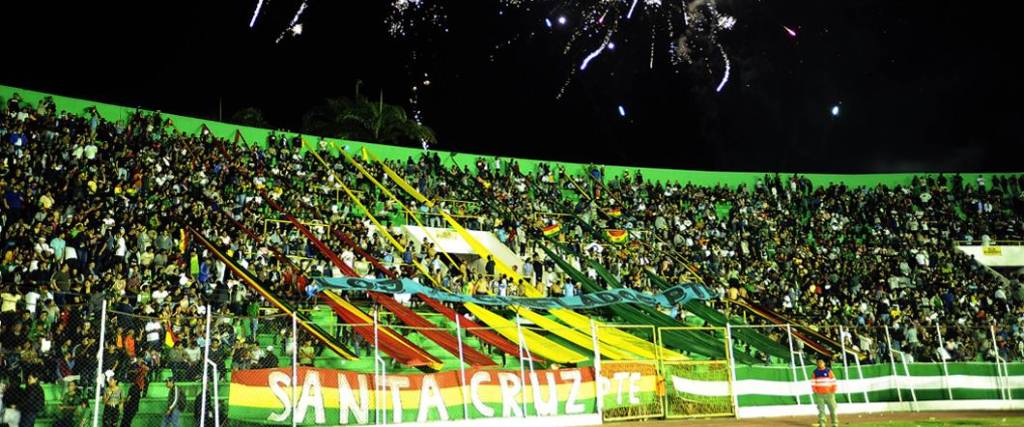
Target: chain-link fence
pixel 685 376
pixel 47 357
pixel 901 362
pixel 189 364
pixel 630 383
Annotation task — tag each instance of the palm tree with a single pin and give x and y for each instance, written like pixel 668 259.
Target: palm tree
pixel 362 119
pixel 250 116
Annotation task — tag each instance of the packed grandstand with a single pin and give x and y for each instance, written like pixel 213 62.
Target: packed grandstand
pixel 158 223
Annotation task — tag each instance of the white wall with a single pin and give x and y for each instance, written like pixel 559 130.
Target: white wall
pixel 448 240
pixel 996 256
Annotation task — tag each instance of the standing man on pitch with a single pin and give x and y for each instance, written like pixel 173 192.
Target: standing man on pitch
pixel 824 387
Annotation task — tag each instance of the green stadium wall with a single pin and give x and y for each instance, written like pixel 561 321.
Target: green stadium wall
pixel 259 136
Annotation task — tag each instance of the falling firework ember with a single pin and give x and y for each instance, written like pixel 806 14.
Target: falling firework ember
pixel 688 29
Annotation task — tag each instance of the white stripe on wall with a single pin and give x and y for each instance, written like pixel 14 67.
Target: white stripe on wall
pixel 860 408
pixel 888 382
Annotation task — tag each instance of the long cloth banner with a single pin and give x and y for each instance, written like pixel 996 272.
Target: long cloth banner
pixel 678 294
pixel 335 397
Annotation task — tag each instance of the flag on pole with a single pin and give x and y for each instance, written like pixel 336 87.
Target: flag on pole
pixel 170 339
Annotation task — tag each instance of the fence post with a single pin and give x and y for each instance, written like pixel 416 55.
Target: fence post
pixel 384 386
pixel 659 365
pixel 999 370
pixel 732 369
pixel 522 367
pixel 216 394
pixel 792 362
pixel 529 362
pixel 892 361
pixel 803 369
pixel 846 366
pixel 206 369
pixel 597 368
pixel 462 367
pixel 860 374
pixel 942 357
pixel 295 364
pixel 99 366
pixel 906 369
pixel 378 361
pixel 1006 376
pixel 377 387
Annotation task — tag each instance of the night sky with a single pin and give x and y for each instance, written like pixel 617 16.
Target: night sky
pixel 921 85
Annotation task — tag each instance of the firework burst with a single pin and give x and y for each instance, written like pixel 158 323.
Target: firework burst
pixel 688 30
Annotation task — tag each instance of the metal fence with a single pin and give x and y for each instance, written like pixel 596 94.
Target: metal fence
pixel 691 405
pixel 101 366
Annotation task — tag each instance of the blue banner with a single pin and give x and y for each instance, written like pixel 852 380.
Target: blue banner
pixel 678 294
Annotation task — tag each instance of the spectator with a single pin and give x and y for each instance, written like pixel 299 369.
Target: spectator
pixel 32 402
pixel 12 400
pixel 70 402
pixel 269 359
pixel 113 401
pixel 135 392
pixel 175 405
pixel 307 353
pixel 154 331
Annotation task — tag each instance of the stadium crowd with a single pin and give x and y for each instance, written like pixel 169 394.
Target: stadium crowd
pixel 93 211
pixel 827 256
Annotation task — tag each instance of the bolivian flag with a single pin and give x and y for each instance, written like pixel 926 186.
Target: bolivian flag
pixel 614 212
pixel 170 339
pixel 616 235
pixel 552 230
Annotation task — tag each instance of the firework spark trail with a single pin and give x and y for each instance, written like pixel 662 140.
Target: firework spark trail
pixel 689 28
pixel 725 76
pixel 630 14
pixel 298 14
pixel 651 55
pixel 292 25
pixel 256 13
pixel 592 55
pixel 565 83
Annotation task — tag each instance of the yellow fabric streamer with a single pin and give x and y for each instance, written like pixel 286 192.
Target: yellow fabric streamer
pixel 615 338
pixel 399 180
pixel 536 343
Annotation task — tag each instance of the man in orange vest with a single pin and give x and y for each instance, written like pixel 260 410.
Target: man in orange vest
pixel 824 387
